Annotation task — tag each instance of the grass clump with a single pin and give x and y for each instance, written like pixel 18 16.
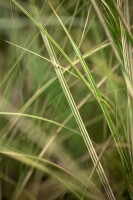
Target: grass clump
pixel 66 100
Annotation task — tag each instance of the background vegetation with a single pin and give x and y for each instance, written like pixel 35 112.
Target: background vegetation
pixel 66 100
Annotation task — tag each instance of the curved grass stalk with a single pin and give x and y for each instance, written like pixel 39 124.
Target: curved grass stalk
pixel 97 95
pixel 31 161
pixel 69 97
pixel 28 135
pixel 48 84
pixel 39 118
pixel 44 58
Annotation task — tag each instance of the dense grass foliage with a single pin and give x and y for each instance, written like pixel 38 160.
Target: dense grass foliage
pixel 66 106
